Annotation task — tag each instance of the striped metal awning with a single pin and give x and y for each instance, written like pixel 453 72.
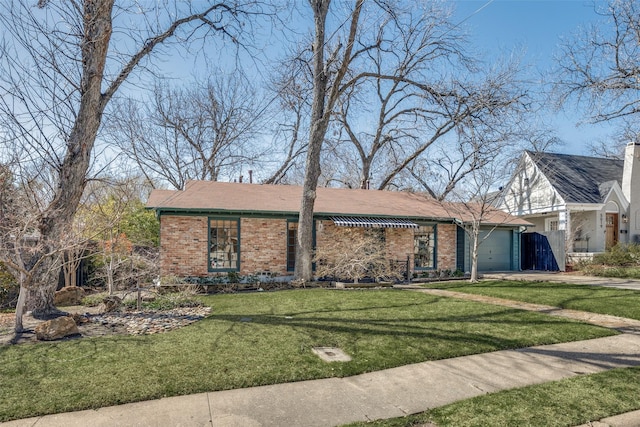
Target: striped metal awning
pixel 350 221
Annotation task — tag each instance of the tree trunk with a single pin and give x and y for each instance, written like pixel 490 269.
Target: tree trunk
pixel 322 105
pixel 71 263
pixel 110 268
pixel 366 173
pixel 22 297
pixel 474 256
pixel 56 219
pixel 42 286
pixel 319 124
pixel 304 252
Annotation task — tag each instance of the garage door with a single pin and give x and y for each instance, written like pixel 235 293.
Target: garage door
pixel 495 252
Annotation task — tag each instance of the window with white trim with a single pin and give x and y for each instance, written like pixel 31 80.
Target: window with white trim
pixel 552 224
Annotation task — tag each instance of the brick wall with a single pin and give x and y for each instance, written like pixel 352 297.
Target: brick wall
pixel 398 241
pixel 183 245
pixel 400 244
pixel 446 250
pixel 183 241
pixel 263 244
pixel 328 233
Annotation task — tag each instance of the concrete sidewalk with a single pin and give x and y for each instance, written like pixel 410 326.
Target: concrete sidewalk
pixel 384 394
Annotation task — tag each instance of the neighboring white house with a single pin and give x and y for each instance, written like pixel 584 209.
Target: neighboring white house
pixel 595 201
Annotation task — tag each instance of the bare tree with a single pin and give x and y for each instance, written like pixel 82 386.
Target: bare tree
pixel 20 245
pixel 328 75
pixel 415 100
pixel 354 255
pixel 440 173
pixel 100 219
pixel 603 147
pixel 291 132
pixel 122 233
pixel 475 212
pixel 402 60
pixel 448 164
pixel 203 132
pixel 59 70
pixel 600 66
pixel 72 259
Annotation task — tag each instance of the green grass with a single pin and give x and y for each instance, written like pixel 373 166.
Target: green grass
pixel 612 271
pixel 596 299
pixel 265 338
pixel 568 402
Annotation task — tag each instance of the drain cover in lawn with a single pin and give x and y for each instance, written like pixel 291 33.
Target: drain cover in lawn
pixel 331 354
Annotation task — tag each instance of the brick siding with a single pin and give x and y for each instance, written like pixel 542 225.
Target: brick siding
pixel 446 250
pixel 399 243
pixel 263 245
pixel 183 245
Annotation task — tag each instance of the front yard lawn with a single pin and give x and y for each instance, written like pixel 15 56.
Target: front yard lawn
pixel 569 402
pixel 265 338
pixel 596 299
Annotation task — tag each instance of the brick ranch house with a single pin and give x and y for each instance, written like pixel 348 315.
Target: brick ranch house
pixel 215 227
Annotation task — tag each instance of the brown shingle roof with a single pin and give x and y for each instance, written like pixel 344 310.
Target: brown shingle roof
pixel 237 197
pixel 158 196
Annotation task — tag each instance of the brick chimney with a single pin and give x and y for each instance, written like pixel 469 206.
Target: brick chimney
pixel 631 186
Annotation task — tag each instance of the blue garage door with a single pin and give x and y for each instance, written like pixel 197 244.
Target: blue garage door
pixel 495 252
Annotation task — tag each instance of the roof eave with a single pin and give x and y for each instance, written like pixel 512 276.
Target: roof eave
pixel 584 206
pixel 321 215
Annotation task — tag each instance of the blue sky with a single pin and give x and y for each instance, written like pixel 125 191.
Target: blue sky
pixel 499 27
pixel 537 26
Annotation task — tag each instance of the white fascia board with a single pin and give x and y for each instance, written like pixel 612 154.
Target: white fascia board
pixel 583 207
pixel 541 211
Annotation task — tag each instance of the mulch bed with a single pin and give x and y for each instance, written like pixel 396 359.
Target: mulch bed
pixel 93 324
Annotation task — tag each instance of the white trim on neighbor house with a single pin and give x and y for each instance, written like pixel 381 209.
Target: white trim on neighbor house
pixel 584 207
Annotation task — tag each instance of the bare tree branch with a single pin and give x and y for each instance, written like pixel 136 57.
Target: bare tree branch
pixel 600 67
pixel 53 99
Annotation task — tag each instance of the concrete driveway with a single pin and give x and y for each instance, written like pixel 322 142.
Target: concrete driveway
pixel 574 278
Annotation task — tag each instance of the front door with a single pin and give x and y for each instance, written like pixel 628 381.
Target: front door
pixel 612 230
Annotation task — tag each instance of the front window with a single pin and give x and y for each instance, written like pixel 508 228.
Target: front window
pixel 224 244
pixel 424 240
pixel 552 224
pixel 292 235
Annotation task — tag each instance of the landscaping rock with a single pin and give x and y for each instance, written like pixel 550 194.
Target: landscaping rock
pixel 150 322
pixel 69 295
pixel 56 329
pixel 145 296
pixel 79 318
pixel 110 304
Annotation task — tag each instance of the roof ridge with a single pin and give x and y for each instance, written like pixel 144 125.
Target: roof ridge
pixel 546 153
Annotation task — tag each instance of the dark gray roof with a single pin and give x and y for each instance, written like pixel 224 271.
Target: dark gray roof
pixel 579 179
